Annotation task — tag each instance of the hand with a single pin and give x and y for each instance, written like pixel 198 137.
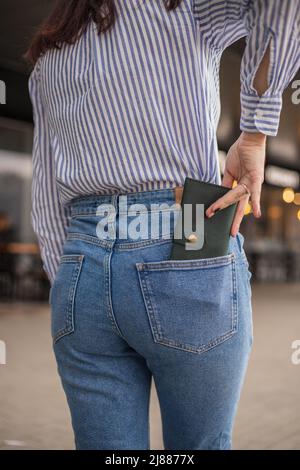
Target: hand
pixel 245 163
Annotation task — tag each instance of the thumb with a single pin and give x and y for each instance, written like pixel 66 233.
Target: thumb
pixel 228 179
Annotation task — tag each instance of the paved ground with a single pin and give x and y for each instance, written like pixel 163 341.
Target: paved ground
pixel 33 411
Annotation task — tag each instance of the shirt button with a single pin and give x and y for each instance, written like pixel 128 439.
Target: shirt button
pixel 259 114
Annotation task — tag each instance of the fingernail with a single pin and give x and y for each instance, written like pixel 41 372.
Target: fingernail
pixel 210 215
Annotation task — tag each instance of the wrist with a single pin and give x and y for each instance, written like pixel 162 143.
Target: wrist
pixel 257 138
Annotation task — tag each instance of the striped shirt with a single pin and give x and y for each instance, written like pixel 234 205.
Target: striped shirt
pixel 137 108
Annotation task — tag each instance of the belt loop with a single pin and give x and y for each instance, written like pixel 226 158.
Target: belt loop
pixel 115 202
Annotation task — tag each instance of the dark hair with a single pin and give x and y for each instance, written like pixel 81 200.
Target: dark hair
pixel 69 20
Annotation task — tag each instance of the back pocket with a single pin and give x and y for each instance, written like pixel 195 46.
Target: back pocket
pixel 191 304
pixel 62 295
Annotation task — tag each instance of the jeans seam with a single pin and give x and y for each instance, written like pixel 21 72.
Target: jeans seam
pixel 109 308
pixel 185 264
pixel 118 246
pixel 146 292
pixel 89 239
pixel 150 211
pixel 234 297
pixel 142 244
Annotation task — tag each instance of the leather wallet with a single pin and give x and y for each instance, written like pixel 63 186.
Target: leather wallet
pixel 214 234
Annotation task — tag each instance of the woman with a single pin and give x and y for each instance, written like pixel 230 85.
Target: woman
pixel 125 100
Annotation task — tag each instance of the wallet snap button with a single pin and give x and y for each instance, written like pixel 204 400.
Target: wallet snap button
pixel 192 237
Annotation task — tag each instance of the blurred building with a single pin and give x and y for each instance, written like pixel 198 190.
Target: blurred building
pixel 272 242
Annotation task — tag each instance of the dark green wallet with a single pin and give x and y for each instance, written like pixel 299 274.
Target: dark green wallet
pixel 201 237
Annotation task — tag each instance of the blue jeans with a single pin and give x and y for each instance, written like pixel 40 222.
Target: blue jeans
pixel 122 312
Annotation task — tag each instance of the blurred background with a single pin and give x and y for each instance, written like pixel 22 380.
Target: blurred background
pixel 33 411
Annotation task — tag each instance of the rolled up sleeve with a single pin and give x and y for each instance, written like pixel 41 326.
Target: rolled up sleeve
pixel 274 24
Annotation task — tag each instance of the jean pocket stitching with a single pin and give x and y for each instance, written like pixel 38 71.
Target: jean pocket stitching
pixel 69 310
pixel 153 313
pixel 141 244
pixel 210 345
pixel 206 263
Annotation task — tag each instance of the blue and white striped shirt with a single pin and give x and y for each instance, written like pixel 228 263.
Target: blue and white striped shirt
pixel 137 107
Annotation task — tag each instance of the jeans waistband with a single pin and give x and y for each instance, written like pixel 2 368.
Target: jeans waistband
pixel 88 205
pixel 150 200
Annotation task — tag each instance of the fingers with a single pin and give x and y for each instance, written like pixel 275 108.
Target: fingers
pixel 227 180
pixel 239 214
pixel 255 199
pixel 234 195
